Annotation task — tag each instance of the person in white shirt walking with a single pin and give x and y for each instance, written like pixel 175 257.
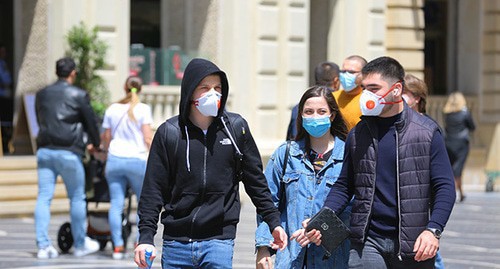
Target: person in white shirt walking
pixel 127 137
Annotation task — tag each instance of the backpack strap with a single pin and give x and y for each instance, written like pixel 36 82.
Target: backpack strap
pixel 282 190
pixel 237 129
pixel 173 135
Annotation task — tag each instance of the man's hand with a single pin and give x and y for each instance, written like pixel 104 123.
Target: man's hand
pixel 313 236
pixel 91 149
pixel 139 255
pixel 263 259
pixel 426 246
pixel 280 239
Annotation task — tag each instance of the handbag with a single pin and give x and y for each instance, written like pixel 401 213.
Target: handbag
pixel 332 228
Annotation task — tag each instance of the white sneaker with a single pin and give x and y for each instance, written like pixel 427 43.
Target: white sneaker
pixel 90 246
pixel 118 253
pixel 47 253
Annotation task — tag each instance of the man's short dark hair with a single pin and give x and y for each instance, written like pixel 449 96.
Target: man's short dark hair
pixel 388 68
pixel 325 72
pixel 64 67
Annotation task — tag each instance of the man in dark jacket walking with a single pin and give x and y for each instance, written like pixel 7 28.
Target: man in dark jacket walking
pixel 397 169
pixel 195 164
pixel 64 116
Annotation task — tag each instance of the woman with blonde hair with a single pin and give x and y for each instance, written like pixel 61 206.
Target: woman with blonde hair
pixel 458 124
pixel 127 137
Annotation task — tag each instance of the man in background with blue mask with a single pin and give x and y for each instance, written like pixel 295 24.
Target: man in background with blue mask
pixel 348 97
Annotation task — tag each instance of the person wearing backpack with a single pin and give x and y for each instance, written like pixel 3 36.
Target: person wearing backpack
pixel 300 174
pixel 196 161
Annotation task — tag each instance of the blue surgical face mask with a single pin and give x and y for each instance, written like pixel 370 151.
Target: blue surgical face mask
pixel 348 81
pixel 316 127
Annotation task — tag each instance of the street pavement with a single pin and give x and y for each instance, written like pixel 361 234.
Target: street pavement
pixel 471 240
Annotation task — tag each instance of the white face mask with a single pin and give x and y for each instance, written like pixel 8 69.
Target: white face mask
pixel 209 103
pixel 371 104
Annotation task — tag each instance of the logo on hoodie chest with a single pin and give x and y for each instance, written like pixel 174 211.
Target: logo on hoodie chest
pixel 225 141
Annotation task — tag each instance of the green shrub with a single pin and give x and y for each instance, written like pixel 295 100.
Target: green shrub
pixel 89 53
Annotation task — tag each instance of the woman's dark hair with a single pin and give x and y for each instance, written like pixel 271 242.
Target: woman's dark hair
pixel 338 127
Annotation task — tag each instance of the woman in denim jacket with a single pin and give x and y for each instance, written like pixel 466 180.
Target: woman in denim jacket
pixel 314 163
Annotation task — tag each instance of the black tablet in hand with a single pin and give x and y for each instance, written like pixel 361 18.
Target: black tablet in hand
pixel 333 230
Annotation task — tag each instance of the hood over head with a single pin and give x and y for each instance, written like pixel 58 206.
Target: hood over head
pixel 195 72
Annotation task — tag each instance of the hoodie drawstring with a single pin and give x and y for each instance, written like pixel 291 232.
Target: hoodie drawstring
pixel 187 149
pixel 187 143
pixel 230 136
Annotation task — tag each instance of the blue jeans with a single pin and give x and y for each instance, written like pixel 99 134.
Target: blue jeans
pixel 380 253
pixel 216 254
pixel 439 264
pixel 121 172
pixel 68 165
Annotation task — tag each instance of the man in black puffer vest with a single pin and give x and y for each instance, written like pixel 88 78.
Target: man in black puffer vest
pixel 397 170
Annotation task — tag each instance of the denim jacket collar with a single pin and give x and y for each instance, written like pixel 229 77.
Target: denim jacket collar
pixel 298 148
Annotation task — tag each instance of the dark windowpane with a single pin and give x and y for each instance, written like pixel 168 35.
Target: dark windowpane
pixel 435 71
pixel 145 22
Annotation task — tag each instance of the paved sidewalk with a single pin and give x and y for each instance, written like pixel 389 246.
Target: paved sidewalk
pixel 472 236
pixel 471 240
pixel 18 248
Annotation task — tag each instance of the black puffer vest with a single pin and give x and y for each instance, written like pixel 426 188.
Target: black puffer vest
pixel 414 134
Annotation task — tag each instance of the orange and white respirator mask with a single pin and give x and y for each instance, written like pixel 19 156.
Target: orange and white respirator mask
pixel 372 104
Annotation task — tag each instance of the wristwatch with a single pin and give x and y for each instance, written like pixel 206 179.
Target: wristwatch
pixel 435 232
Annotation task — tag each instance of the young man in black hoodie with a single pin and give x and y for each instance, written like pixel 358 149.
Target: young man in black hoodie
pixel 196 161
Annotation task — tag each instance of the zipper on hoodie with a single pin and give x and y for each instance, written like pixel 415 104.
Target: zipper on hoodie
pixel 398 194
pixel 204 184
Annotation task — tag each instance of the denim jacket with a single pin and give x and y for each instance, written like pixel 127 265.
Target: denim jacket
pixel 306 192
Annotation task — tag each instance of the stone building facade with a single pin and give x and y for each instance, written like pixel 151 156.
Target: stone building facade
pixel 269 47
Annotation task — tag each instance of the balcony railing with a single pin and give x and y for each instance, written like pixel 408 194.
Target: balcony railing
pixel 164 102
